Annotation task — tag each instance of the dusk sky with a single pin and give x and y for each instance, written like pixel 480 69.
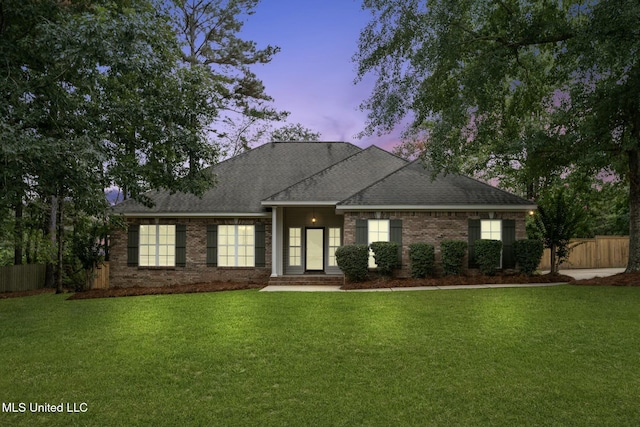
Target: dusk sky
pixel 313 75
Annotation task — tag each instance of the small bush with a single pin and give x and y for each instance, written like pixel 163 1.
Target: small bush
pixel 386 256
pixel 353 260
pixel 487 254
pixel 422 256
pixel 453 252
pixel 528 253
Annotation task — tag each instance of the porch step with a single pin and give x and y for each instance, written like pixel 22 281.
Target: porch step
pixel 308 279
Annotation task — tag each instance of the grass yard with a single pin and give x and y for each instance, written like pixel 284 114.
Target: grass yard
pixel 564 355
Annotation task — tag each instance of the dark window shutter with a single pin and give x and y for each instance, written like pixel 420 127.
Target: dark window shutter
pixel 260 245
pixel 181 245
pixel 474 234
pixel 395 235
pixel 212 245
pixel 508 238
pixel 362 232
pixel 133 245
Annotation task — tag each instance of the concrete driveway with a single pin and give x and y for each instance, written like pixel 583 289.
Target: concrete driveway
pixel 589 273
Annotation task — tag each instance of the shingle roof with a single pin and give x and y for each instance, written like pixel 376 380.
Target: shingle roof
pixel 281 173
pixel 343 179
pixel 412 186
pixel 245 180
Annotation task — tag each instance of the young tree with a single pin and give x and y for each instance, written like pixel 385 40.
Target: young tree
pixel 558 220
pixel 532 86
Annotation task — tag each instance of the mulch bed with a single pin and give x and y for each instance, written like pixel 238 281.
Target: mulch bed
pixel 458 280
pixel 164 290
pixel 620 279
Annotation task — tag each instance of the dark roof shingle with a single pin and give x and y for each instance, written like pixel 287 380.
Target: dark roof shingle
pixel 412 185
pixel 245 180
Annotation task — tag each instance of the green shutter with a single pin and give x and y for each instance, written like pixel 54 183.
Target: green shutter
pixel 508 238
pixel 133 243
pixel 260 245
pixel 395 235
pixel 181 245
pixel 212 245
pixel 362 232
pixel 474 234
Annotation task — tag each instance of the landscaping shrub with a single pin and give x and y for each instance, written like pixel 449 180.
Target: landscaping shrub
pixel 453 252
pixel 528 253
pixel 422 256
pixel 353 260
pixel 386 256
pixel 487 253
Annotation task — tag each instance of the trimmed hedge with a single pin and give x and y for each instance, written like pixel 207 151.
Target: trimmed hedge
pixel 422 256
pixel 386 256
pixel 453 252
pixel 487 253
pixel 528 253
pixel 353 260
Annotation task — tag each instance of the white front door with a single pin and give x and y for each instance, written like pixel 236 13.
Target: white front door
pixel 315 249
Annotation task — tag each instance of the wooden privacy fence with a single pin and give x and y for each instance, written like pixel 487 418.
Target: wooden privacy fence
pixel 101 277
pixel 28 277
pixel 600 252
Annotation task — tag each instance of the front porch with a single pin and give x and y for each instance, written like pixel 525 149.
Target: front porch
pixel 304 241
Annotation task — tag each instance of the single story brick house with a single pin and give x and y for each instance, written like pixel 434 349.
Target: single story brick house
pixel 280 211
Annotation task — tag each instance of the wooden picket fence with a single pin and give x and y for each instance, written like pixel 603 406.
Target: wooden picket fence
pixel 599 252
pixel 101 277
pixel 28 277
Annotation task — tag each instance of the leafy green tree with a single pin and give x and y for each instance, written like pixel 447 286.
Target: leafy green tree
pixel 523 89
pixel 558 219
pixel 94 96
pixel 294 133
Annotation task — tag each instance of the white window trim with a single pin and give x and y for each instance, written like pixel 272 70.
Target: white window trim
pixel 372 262
pixel 157 245
pixel 298 256
pixel 332 248
pixel 491 233
pixel 236 245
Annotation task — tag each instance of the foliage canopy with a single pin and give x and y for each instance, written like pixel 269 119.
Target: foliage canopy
pixel 525 91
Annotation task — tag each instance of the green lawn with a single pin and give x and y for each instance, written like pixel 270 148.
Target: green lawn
pixel 562 355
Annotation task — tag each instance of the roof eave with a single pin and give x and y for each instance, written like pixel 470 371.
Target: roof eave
pixel 290 203
pixel 196 214
pixel 458 208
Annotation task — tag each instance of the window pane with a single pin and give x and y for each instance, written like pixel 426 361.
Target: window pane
pixel 378 232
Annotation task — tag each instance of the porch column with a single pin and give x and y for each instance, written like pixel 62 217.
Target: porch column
pixel 276 232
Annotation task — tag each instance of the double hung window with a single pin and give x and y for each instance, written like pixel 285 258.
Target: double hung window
pixel 157 246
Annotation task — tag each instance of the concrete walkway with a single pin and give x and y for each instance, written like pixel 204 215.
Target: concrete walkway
pixel 576 274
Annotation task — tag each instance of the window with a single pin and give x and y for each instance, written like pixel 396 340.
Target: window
pixel 236 246
pixel 157 246
pixel 295 247
pixel 491 229
pixel 334 243
pixel 378 232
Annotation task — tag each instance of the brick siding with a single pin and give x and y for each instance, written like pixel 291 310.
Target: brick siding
pixel 429 227
pixel 196 270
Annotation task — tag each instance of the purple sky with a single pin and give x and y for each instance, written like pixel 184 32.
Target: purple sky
pixel 313 75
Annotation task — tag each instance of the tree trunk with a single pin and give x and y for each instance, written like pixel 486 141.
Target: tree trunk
pixel 18 234
pixel 554 267
pixel 60 245
pixel 633 264
pixel 50 279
